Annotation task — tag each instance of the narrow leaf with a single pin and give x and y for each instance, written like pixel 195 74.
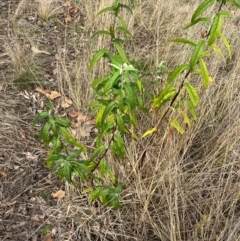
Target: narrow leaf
pixel 201 8
pixel 107 9
pixel 121 51
pixel 103 167
pixel 227 45
pixel 235 3
pixel 100 32
pixel 149 132
pixel 217 50
pixel 184 41
pixel 197 53
pixel 41 116
pixel 99 54
pixel 185 118
pixel 192 93
pixel 197 20
pixel 204 73
pixel 226 14
pixel 163 97
pixel 175 73
pixel 215 30
pixel 174 123
pixel 192 110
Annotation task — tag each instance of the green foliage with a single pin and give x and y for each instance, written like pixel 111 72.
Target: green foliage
pixel 120 94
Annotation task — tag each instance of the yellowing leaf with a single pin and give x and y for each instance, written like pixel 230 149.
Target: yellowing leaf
pixel 149 132
pixel 177 126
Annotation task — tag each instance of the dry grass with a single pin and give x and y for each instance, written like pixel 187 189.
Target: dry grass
pixel 47 9
pixel 188 186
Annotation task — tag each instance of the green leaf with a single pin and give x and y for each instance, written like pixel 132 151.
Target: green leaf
pixel 100 32
pixel 201 8
pixel 149 132
pixel 227 45
pixel 74 155
pixel 118 147
pixel 139 85
pixel 131 98
pixel 107 9
pixel 99 116
pixel 70 139
pixel 56 144
pixel 95 194
pixel 174 123
pixel 185 118
pixel 141 106
pixel 53 158
pixel 78 144
pixel 116 60
pixel 44 133
pixel 120 123
pixel 97 152
pixel 235 3
pixel 204 73
pixel 215 29
pixel 84 166
pixel 111 81
pixel 66 172
pixel 115 203
pixel 121 52
pixel 197 20
pixel 107 127
pixel 226 14
pixel 124 25
pixel 108 110
pixel 192 109
pixel 184 41
pixel 217 50
pixel 126 7
pixel 175 73
pixel 197 53
pixel 111 174
pixel 98 81
pixel 118 189
pixel 103 167
pixel 163 97
pixel 44 115
pixel 99 54
pixel 112 31
pixel 63 122
pixel 192 93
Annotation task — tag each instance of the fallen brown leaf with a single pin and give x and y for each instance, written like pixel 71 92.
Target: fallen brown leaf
pixel 2 173
pixel 82 118
pixel 59 194
pixel 67 18
pixel 65 103
pixel 49 93
pixel 22 135
pixel 37 218
pixel 73 114
pixel 48 237
pixel 73 10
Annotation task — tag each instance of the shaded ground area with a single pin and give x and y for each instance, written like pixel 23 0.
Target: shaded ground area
pixel 25 184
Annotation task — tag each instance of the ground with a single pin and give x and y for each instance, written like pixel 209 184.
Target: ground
pixel 189 189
